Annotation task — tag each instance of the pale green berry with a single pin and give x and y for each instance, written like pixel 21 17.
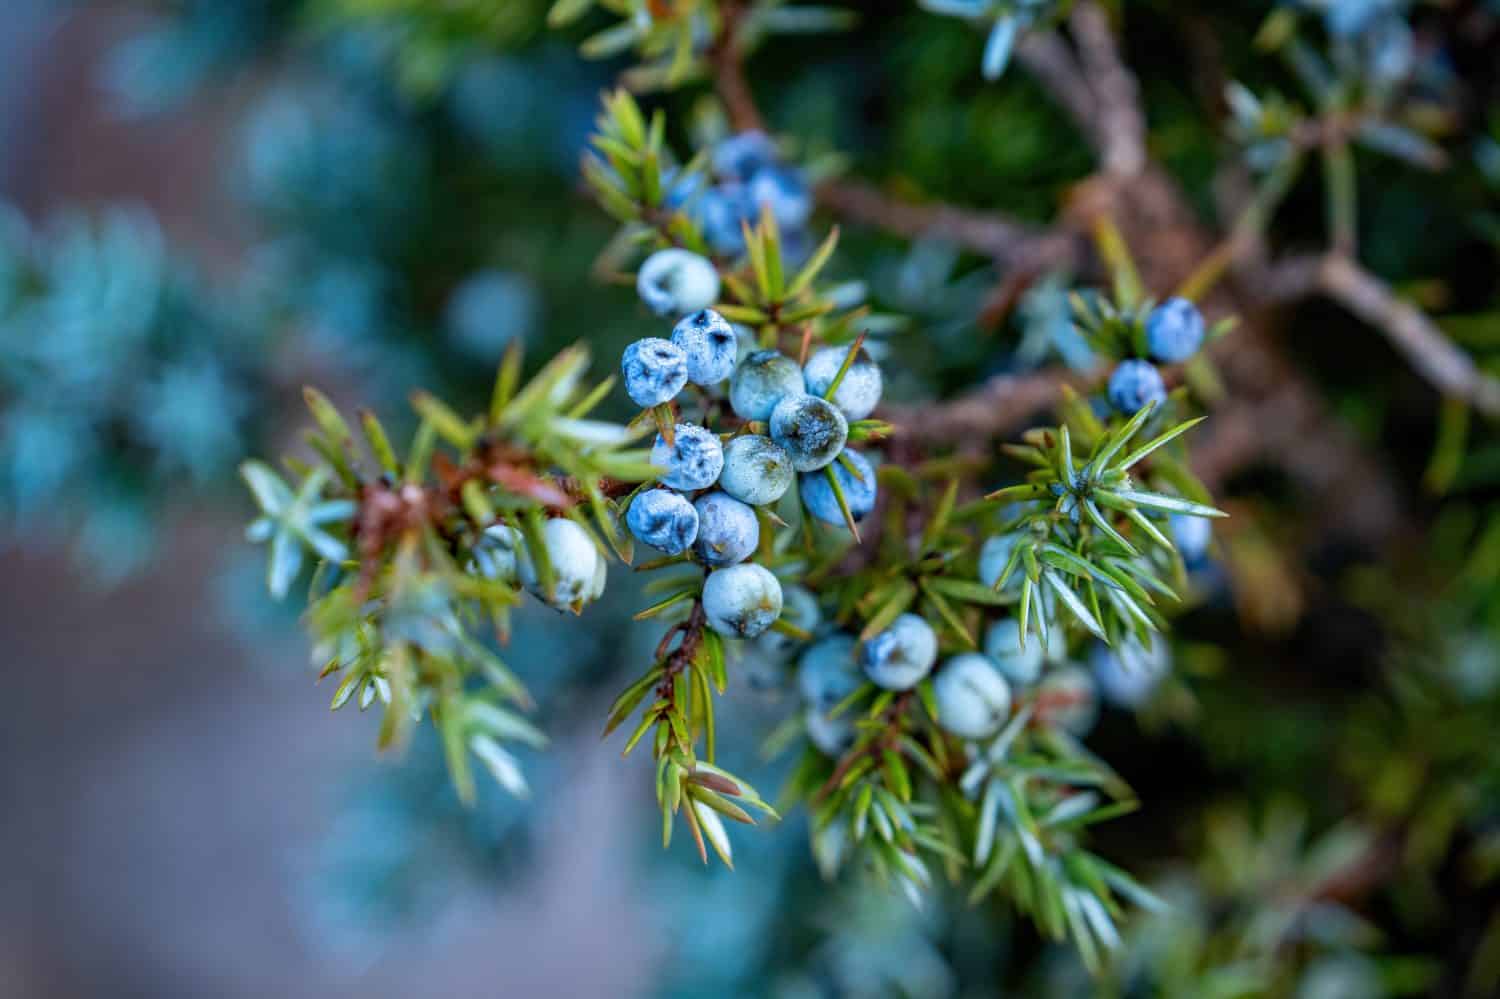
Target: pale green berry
pixel 1002 643
pixel 901 655
pixel 575 561
pixel 760 382
pixel 973 699
pixel 741 601
pixel 757 470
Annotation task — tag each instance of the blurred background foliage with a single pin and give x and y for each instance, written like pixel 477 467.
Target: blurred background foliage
pixel 397 199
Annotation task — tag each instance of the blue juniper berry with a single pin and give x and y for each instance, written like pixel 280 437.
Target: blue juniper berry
pixel 664 520
pixel 859 489
pixel 576 563
pixel 812 430
pixel 1134 385
pixel 973 699
pixel 800 609
pixel 694 459
pixel 675 281
pixel 1002 643
pixel 740 156
pixel 1174 331
pixel 710 345
pixel 901 655
pixel 1192 536
pixel 783 191
pixel 655 371
pixel 1129 673
pixel 728 530
pixel 829 671
pixel 831 736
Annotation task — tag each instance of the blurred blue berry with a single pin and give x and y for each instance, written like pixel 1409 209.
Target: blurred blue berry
pixel 722 212
pixel 757 470
pixel 1134 385
pixel 901 655
pixel 800 609
pixel 655 371
pixel 577 567
pixel 973 699
pixel 681 190
pixel 859 490
pixel 1174 331
pixel 1002 643
pixel 493 100
pixel 692 461
pixel 728 530
pixel 784 192
pixel 812 430
pixel 828 671
pixel 664 520
pixel 674 281
pixel 488 310
pixel 994 554
pixel 1129 673
pixel 741 601
pixel 710 345
pixel 859 393
pixel 832 736
pixel 497 555
pixel 740 156
pixel 761 381
pixel 1192 536
pixel 327 157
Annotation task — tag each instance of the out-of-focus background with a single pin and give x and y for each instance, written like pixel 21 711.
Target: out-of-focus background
pixel 206 204
pixel 182 818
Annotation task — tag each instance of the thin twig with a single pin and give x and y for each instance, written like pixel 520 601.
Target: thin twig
pixel 997 408
pixel 1008 242
pixel 1119 122
pixel 1432 354
pixel 728 62
pixel 1052 64
pixel 1435 357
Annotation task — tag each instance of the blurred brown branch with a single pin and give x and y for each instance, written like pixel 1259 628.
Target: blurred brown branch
pixel 1120 121
pixel 993 409
pixel 1435 357
pixel 1052 64
pixel 728 63
pixel 1011 244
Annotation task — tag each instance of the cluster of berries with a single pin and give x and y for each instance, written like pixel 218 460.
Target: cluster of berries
pixel 972 694
pixel 1174 332
pixel 706 499
pixel 1126 675
pixel 747 178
